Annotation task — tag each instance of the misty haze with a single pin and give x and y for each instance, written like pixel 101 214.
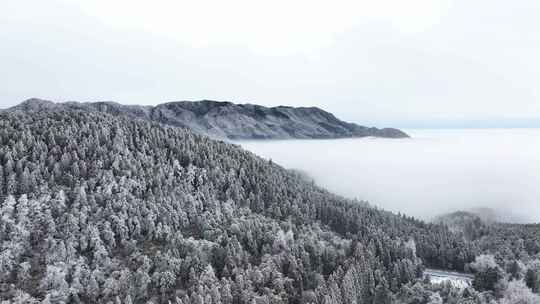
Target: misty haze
pixel 431 173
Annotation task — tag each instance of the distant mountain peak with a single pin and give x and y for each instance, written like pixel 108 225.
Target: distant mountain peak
pixel 224 119
pixel 36 104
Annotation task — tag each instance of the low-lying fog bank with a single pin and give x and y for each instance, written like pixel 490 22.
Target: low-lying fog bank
pixel 434 172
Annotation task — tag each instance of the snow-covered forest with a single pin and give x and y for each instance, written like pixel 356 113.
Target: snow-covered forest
pixel 102 209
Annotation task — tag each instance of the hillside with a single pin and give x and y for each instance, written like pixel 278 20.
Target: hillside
pixel 97 208
pixel 234 121
pixel 468 223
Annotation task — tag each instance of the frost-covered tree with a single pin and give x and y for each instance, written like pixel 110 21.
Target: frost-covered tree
pixel 518 293
pixel 96 208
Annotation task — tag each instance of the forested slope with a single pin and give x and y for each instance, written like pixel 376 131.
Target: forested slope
pixel 97 208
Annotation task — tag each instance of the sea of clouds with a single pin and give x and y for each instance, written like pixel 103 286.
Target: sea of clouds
pixel 431 173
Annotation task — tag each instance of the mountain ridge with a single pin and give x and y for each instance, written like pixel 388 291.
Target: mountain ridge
pixel 102 208
pixel 99 208
pixel 227 120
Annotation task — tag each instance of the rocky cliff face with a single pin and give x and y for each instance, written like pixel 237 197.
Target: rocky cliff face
pixel 233 121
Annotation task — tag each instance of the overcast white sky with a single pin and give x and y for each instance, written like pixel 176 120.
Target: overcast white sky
pixel 415 63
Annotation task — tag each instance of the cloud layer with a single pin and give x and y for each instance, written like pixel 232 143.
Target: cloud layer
pixel 432 173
